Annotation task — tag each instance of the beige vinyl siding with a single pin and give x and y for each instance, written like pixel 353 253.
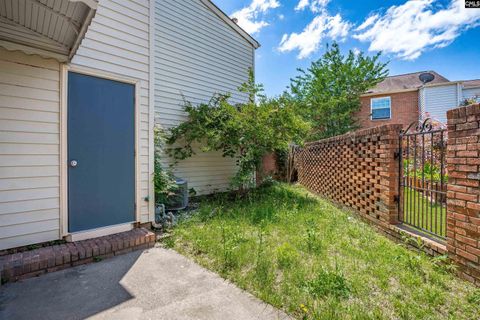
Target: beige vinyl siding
pixel 197 55
pixel 117 42
pixel 29 149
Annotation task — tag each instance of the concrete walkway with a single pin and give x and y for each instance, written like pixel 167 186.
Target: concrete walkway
pixel 150 284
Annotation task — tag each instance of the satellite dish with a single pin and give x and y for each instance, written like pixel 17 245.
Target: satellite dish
pixel 426 77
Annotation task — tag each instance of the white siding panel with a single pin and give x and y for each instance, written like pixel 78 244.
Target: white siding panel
pixel 29 149
pixel 28 217
pixel 26 172
pixel 117 42
pixel 35 237
pixel 440 99
pixel 28 183
pixel 471 93
pixel 197 55
pixel 30 205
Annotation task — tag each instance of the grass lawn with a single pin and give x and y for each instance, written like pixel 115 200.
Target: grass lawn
pixel 300 253
pixel 421 212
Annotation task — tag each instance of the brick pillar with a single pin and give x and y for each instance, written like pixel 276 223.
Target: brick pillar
pixel 389 171
pixel 463 198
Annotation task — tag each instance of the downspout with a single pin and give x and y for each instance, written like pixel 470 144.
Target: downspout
pixel 422 102
pixel 83 30
pixel 459 93
pixel 151 118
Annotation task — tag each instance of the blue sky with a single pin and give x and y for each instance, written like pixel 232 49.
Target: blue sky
pixel 414 35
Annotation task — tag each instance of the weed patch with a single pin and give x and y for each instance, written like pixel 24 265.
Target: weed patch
pixel 328 283
pixel 302 254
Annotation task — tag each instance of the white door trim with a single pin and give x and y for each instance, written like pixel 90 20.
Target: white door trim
pixel 99 232
pixel 151 111
pixel 64 147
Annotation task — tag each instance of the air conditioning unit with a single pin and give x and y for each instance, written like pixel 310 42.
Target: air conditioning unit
pixel 179 200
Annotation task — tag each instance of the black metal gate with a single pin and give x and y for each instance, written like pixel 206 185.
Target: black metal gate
pixel 423 178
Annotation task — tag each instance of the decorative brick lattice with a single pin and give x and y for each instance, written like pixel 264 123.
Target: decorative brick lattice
pixel 463 198
pixel 357 169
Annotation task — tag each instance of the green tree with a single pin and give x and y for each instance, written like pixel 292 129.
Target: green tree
pixel 245 131
pixel 328 93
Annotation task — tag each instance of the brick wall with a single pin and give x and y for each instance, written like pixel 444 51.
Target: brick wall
pixel 404 109
pixel 269 164
pixel 357 170
pixel 463 202
pixel 268 168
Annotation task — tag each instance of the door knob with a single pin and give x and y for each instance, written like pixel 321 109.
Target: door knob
pixel 73 163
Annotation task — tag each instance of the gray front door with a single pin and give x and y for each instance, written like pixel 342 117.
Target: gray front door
pixel 101 152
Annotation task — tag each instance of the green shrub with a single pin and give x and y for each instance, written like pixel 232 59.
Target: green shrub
pixel 245 131
pixel 163 180
pixel 429 172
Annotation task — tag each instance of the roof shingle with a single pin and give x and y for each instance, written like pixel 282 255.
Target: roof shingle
pixel 471 83
pixel 404 82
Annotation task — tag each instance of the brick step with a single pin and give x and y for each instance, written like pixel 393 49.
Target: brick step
pixel 33 263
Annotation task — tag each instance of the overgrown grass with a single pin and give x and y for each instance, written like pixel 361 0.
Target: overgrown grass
pixel 423 212
pixel 302 254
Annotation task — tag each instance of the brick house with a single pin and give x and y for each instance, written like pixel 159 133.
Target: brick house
pixel 403 99
pixel 394 100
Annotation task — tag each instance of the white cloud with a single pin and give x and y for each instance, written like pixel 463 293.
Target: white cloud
pixel 281 17
pixel 314 5
pixel 308 41
pixel 250 18
pixel 338 29
pixel 367 23
pixel 302 4
pixel 410 29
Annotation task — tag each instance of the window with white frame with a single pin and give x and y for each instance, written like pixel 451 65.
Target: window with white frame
pixel 381 108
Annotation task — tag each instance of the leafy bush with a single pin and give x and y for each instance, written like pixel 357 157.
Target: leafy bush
pixel 163 180
pixel 429 172
pixel 469 101
pixel 245 131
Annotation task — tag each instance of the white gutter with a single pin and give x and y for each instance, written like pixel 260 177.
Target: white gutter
pixel 82 31
pixel 459 94
pixel 443 84
pixel 387 92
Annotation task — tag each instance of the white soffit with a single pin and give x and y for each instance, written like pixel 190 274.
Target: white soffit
pixel 50 28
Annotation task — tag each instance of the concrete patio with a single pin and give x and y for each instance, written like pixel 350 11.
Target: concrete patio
pixel 152 284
